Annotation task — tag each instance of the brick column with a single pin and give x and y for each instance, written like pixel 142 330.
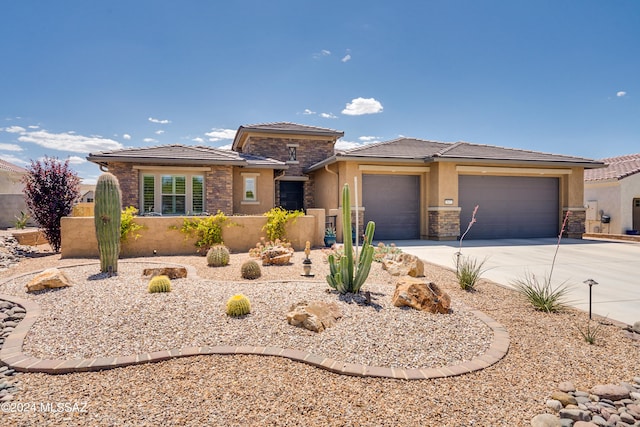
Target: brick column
pixel 575 226
pixel 444 222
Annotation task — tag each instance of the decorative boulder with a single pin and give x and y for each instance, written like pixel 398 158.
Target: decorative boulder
pixel 610 391
pixel 278 255
pixel 49 278
pixel 636 327
pixel 315 316
pixel 421 295
pixel 171 272
pixel 404 265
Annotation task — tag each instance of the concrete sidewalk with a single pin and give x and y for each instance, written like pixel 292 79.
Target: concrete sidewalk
pixel 614 265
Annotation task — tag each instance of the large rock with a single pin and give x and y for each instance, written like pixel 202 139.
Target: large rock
pixel 404 265
pixel 315 316
pixel 636 327
pixel 564 398
pixel 421 295
pixel 545 420
pixel 49 278
pixel 171 272
pixel 611 392
pixel 278 255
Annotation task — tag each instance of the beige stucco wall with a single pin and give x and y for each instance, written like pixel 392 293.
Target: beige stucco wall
pixel 326 189
pixel 10 183
pixel 265 186
pixel 79 240
pixel 615 199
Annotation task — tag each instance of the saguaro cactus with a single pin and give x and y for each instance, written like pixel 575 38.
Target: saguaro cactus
pixel 107 210
pixel 346 277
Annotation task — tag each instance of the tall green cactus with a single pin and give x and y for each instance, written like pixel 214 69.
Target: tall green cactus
pixel 107 210
pixel 346 277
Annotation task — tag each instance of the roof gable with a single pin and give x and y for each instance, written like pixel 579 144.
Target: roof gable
pixel 10 167
pixel 183 155
pixel 616 168
pixel 282 128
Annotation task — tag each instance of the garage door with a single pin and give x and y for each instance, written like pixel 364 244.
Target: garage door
pixel 393 203
pixel 510 207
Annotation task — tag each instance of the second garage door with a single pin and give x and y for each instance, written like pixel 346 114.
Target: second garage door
pixel 510 207
pixel 393 203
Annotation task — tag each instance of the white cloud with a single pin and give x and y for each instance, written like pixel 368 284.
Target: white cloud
pixel 198 139
pixel 15 129
pixel 126 136
pixel 322 53
pixel 360 106
pixel 34 127
pixel 14 160
pixel 366 139
pixel 149 140
pixel 346 58
pixel 225 147
pixel 219 134
pixel 68 141
pixel 162 122
pixel 89 181
pixel 159 132
pixel 308 112
pixel 76 160
pixel 328 116
pixel 621 94
pixel 341 144
pixel 10 147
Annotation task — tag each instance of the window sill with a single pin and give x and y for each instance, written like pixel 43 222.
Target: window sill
pixel 249 202
pixel 292 162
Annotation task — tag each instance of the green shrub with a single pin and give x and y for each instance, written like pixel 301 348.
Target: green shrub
pixel 591 333
pixel 128 226
pixel 468 272
pixel 208 229
pixel 21 221
pixel 159 284
pixel 277 219
pixel 541 294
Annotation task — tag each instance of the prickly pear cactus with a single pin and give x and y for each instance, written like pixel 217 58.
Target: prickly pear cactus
pixel 107 211
pixel 218 256
pixel 250 270
pixel 238 305
pixel 159 284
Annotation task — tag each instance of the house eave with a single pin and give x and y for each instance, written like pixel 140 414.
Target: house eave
pixel 340 158
pixel 105 160
pixel 545 163
pixel 243 133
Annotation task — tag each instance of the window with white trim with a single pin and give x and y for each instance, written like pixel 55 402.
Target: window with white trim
pixel 250 187
pixel 180 193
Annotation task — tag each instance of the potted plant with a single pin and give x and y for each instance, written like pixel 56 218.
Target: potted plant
pixel 329 237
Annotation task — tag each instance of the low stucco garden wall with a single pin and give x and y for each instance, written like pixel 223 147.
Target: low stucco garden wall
pixel 79 239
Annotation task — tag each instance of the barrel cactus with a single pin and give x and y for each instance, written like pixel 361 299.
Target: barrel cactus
pixel 107 211
pixel 238 305
pixel 250 270
pixel 218 256
pixel 160 284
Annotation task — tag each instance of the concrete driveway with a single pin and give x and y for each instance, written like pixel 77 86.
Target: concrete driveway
pixel 614 265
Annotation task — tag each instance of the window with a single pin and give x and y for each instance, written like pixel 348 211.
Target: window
pixel 180 193
pixel 250 189
pixel 292 150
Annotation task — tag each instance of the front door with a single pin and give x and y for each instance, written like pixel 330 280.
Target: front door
pixel 636 214
pixel 292 195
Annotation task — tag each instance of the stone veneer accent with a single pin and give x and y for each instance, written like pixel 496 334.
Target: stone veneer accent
pixel 444 223
pixel 575 226
pixel 219 190
pixel 129 183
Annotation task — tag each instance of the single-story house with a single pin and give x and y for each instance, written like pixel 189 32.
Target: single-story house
pixel 411 188
pixel 612 196
pixel 11 193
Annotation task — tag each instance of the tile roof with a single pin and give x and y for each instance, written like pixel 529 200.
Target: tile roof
pixel 287 127
pixel 10 167
pixel 182 154
pixel 411 148
pixel 617 168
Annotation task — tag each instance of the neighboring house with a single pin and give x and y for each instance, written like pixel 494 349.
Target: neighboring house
pixel 11 193
pixel 613 192
pixel 411 188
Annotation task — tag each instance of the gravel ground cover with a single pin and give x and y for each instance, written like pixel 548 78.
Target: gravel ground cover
pixel 545 350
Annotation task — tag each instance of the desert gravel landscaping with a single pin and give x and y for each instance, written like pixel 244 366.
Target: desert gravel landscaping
pixel 545 350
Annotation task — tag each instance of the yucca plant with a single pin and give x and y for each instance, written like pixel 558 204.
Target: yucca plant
pixel 542 295
pixel 468 271
pixel 591 333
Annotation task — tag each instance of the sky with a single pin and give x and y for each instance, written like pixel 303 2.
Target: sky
pixel 79 77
